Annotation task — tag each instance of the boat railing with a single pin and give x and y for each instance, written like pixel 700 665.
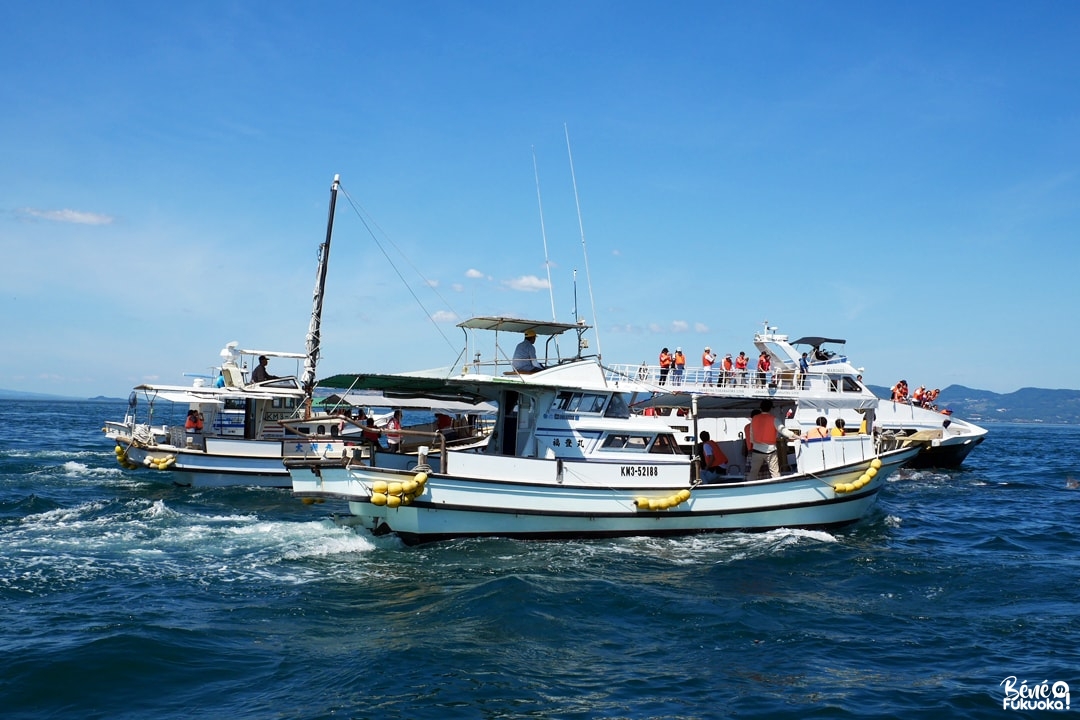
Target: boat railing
pixel 785 383
pixel 365 447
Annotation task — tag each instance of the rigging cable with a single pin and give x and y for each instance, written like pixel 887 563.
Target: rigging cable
pixel 357 209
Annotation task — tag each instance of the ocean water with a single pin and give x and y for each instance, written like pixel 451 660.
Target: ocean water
pixel 125 598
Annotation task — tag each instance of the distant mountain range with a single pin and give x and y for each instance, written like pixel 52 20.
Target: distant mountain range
pixel 1027 405
pixel 20 395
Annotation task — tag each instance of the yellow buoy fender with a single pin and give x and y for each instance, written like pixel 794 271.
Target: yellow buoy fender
pixel 394 489
pixel 308 501
pixel 379 486
pixel 871 472
pixel 642 503
pixel 408 487
pixel 876 464
pixel 393 501
pixel 684 495
pixel 378 498
pixel 421 477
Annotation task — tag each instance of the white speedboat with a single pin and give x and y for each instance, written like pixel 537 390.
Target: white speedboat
pixel 241 434
pixel 831 388
pixel 947 440
pixel 568 458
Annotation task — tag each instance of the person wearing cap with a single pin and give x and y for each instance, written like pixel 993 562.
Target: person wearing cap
pixel 260 373
pixel 525 354
pixel 707 359
pixel 728 370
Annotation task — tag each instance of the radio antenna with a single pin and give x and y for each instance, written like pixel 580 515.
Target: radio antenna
pixel 543 234
pixel 581 227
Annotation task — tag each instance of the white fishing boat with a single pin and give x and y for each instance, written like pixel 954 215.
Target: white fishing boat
pixel 569 459
pixel 827 387
pixel 238 435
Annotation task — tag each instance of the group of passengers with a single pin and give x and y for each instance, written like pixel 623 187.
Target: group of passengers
pixel 920 398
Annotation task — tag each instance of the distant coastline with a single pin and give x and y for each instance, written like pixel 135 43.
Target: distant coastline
pixel 20 395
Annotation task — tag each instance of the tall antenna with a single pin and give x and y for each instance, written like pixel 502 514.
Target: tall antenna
pixel 543 234
pixel 581 226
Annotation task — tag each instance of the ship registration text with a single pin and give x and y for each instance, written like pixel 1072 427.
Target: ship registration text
pixel 639 471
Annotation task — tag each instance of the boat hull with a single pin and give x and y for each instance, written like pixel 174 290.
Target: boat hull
pixel 948 455
pixel 453 506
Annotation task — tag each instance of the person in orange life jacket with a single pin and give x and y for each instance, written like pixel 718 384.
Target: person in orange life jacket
pixel 713 460
pixel 900 391
pixel 707 359
pixel 765 429
pixel 665 365
pixel 741 363
pixel 820 430
pixel 194 422
pixel 746 432
pixel 393 439
pixel 727 367
pixel 763 366
pixel 680 367
pixel 839 430
pixel 369 433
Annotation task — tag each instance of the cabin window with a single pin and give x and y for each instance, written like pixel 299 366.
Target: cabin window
pixel 851 385
pixel 235 404
pixel 665 445
pixel 623 441
pixel 618 407
pixel 287 403
pixel 580 402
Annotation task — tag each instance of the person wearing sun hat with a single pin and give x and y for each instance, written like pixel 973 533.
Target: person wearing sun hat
pixel 525 354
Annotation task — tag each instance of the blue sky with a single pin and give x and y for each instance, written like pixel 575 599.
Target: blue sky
pixel 901 175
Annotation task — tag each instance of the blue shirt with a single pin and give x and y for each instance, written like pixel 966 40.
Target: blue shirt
pixel 525 357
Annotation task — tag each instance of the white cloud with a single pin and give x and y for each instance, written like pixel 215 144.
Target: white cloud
pixel 527 283
pixel 457 287
pixel 473 273
pixel 444 316
pixel 679 326
pixel 433 283
pixel 67 216
pixel 701 328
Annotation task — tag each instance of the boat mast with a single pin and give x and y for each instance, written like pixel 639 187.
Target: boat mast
pixel 314 334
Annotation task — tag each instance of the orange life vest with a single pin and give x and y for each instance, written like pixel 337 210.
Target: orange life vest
pixel 763 427
pixel 707 360
pixel 741 361
pixel 817 432
pixel 727 363
pixel 680 359
pixel 665 360
pixel 717 457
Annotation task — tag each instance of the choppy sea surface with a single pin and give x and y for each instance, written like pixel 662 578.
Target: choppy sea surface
pixel 123 597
